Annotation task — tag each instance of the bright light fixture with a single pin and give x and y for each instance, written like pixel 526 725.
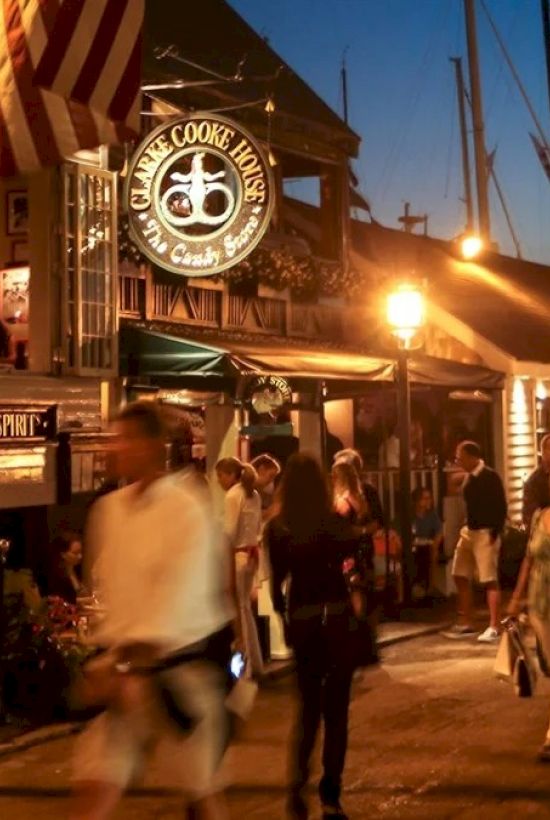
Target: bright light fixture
pixel 405 312
pixel 471 246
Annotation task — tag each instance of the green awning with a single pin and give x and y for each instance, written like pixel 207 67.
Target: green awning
pixel 149 352
pixel 145 352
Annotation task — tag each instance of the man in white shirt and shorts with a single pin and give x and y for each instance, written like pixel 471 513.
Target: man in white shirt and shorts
pixel 158 569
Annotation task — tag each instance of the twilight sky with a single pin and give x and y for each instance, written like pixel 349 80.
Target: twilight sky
pixel 402 101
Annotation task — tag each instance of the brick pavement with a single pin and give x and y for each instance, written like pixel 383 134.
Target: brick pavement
pixel 433 736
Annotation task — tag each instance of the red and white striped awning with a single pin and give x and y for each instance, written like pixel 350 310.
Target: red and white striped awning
pixel 70 75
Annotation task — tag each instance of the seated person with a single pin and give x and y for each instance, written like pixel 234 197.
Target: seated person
pixel 427 537
pixel 64 570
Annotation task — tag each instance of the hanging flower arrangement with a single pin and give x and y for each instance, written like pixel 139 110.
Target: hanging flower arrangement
pixel 38 663
pixel 307 277
pixel 128 251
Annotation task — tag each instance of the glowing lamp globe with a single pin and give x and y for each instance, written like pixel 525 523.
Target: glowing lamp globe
pixel 405 313
pixel 471 246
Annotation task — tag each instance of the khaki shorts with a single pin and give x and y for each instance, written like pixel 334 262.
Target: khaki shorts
pixel 475 555
pixel 113 747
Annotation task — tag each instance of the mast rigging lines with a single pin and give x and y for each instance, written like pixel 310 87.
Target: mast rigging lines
pixel 541 134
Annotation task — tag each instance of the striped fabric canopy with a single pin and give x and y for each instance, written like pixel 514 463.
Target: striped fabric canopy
pixel 70 75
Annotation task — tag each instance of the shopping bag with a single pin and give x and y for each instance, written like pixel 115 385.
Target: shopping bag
pixel 524 676
pixel 506 658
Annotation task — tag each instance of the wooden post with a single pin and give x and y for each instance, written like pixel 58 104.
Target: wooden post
pixel 457 61
pixel 479 132
pixel 545 9
pixel 149 293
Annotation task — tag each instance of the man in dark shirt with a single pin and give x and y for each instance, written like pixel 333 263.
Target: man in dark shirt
pixel 536 490
pixel 479 543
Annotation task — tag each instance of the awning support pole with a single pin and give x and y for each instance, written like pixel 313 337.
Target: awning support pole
pixel 405 518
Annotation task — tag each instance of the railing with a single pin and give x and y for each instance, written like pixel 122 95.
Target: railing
pixel 218 309
pixel 131 296
pixel 256 313
pixel 315 320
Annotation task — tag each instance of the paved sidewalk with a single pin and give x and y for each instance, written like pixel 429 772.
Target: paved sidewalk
pixel 433 736
pixel 415 624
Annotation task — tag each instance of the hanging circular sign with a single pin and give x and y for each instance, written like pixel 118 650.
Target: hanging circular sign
pixel 268 394
pixel 199 194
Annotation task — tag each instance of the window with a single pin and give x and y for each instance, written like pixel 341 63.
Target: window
pixel 89 256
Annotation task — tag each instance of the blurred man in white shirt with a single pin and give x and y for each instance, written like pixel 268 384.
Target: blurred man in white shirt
pixel 158 569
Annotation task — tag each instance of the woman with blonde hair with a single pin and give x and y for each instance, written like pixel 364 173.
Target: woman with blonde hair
pixel 242 526
pixel 350 504
pixel 347 495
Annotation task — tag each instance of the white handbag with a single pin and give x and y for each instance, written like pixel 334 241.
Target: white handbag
pixel 514 661
pixel 506 658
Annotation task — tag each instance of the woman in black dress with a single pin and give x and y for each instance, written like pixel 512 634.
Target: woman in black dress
pixel 313 549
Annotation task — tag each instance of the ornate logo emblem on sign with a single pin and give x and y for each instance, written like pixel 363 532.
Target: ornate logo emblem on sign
pixel 199 195
pixel 269 394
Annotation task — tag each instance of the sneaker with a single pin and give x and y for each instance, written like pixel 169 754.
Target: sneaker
pixel 544 753
pixel 489 636
pixel 460 631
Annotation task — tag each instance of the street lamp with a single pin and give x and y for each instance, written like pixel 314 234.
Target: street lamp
pixel 405 316
pixel 405 313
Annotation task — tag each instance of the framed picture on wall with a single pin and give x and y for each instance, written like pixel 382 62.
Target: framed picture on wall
pixel 15 295
pixel 17 213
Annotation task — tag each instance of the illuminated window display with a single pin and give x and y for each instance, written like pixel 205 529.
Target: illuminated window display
pixel 90 269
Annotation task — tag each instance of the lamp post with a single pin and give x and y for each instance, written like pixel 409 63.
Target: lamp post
pixel 405 316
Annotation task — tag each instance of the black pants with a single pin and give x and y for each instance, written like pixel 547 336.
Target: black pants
pixel 422 559
pixel 323 693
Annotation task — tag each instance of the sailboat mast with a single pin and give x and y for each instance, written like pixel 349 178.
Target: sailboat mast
pixel 477 114
pixel 545 9
pixel 344 75
pixel 457 61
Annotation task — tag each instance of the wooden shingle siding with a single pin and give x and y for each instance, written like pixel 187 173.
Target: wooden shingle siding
pixel 520 441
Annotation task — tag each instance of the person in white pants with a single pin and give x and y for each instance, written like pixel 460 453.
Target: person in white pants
pixel 242 525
